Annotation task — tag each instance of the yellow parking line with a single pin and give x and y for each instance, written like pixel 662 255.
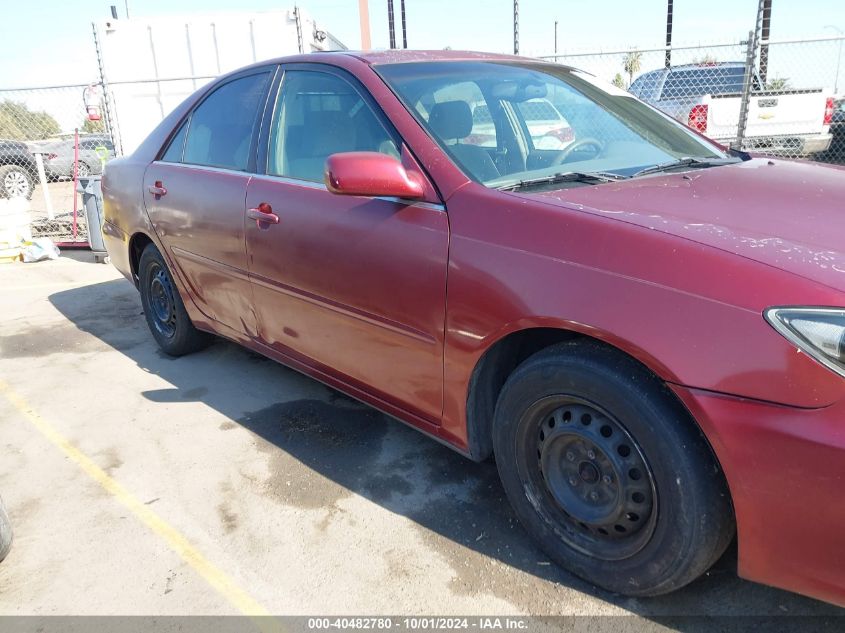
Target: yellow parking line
pixel 215 577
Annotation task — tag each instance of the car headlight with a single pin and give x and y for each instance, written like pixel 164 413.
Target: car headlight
pixel 820 332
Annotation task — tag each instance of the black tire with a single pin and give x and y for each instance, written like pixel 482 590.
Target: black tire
pixel 5 532
pixel 608 472
pixel 167 319
pixel 82 170
pixel 16 182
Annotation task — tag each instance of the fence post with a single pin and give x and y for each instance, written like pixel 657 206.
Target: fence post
pixel 111 121
pixel 747 85
pixel 42 180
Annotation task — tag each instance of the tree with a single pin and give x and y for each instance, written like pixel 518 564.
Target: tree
pixel 93 127
pixel 706 59
pixel 778 83
pixel 19 123
pixel 619 81
pixel 631 64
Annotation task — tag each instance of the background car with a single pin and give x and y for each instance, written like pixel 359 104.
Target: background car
pixel 706 96
pixel 18 172
pixel 59 156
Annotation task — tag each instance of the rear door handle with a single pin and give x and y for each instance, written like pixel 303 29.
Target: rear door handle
pixel 158 189
pixel 263 213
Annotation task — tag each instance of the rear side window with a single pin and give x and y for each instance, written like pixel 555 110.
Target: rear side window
pixel 645 85
pixel 174 150
pixel 221 128
pixel 712 80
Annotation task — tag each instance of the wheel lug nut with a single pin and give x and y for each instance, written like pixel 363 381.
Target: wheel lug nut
pixel 594 496
pixel 573 481
pixel 591 454
pixel 570 456
pixel 607 479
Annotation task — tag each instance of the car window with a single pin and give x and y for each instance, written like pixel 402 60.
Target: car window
pixel 173 154
pixel 617 132
pixel 482 129
pixel 705 80
pixel 221 128
pixel 319 114
pixel 645 85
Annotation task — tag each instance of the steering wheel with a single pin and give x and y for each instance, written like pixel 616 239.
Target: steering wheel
pixel 587 141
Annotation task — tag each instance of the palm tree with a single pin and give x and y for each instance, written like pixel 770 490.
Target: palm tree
pixel 631 64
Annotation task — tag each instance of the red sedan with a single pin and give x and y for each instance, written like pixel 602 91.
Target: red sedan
pixel 646 330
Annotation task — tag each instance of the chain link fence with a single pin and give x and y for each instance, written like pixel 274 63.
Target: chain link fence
pixel 50 137
pixel 777 98
pixel 782 98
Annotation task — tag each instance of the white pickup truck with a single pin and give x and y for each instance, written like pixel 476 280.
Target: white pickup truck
pixel 707 97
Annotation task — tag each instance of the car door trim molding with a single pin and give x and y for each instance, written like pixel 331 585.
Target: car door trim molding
pixel 345 310
pixel 237 273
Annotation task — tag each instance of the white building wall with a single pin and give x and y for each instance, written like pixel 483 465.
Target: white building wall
pixel 152 64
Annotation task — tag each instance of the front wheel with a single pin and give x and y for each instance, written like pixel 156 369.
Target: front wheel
pixel 608 473
pixel 163 308
pixel 5 532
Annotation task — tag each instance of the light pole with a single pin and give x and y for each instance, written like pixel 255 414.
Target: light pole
pixel 838 61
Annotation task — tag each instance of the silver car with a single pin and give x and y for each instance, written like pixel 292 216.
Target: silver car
pixel 93 152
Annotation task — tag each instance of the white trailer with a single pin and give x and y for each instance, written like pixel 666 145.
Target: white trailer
pixel 151 64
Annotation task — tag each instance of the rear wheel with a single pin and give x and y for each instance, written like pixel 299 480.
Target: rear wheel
pixel 166 316
pixel 607 471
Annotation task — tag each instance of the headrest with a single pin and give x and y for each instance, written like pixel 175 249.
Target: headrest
pixel 451 119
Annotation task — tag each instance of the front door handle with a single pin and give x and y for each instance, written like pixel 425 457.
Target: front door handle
pixel 158 189
pixel 263 213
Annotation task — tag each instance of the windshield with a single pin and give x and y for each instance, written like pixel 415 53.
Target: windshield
pixel 508 122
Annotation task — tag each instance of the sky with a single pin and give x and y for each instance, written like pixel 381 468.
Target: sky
pixel 49 42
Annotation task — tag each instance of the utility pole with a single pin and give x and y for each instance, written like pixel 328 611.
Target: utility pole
pixel 516 27
pixel 764 36
pixel 555 39
pixel 404 28
pixel 669 34
pixel 390 24
pixel 364 17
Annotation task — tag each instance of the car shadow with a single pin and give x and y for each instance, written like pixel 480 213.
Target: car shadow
pixel 459 505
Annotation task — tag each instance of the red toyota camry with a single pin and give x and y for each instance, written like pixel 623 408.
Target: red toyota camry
pixel 647 331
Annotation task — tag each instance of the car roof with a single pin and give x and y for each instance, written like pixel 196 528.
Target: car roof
pixel 400 56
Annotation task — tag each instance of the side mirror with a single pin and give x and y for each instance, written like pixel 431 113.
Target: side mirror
pixel 371 174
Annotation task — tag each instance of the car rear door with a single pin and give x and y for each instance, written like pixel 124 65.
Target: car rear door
pixel 195 196
pixel 354 287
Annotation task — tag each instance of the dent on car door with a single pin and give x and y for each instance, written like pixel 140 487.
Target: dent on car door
pixel 354 286
pixel 195 195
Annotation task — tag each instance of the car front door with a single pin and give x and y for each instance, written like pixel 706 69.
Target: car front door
pixel 354 286
pixel 195 196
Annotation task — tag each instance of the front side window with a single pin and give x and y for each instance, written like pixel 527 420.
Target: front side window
pixel 221 128
pixel 317 115
pixel 563 119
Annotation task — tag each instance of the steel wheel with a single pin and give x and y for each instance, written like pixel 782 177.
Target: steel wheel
pixel 16 184
pixel 590 475
pixel 162 302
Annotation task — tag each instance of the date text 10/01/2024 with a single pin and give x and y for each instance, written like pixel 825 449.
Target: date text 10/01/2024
pixel 420 623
